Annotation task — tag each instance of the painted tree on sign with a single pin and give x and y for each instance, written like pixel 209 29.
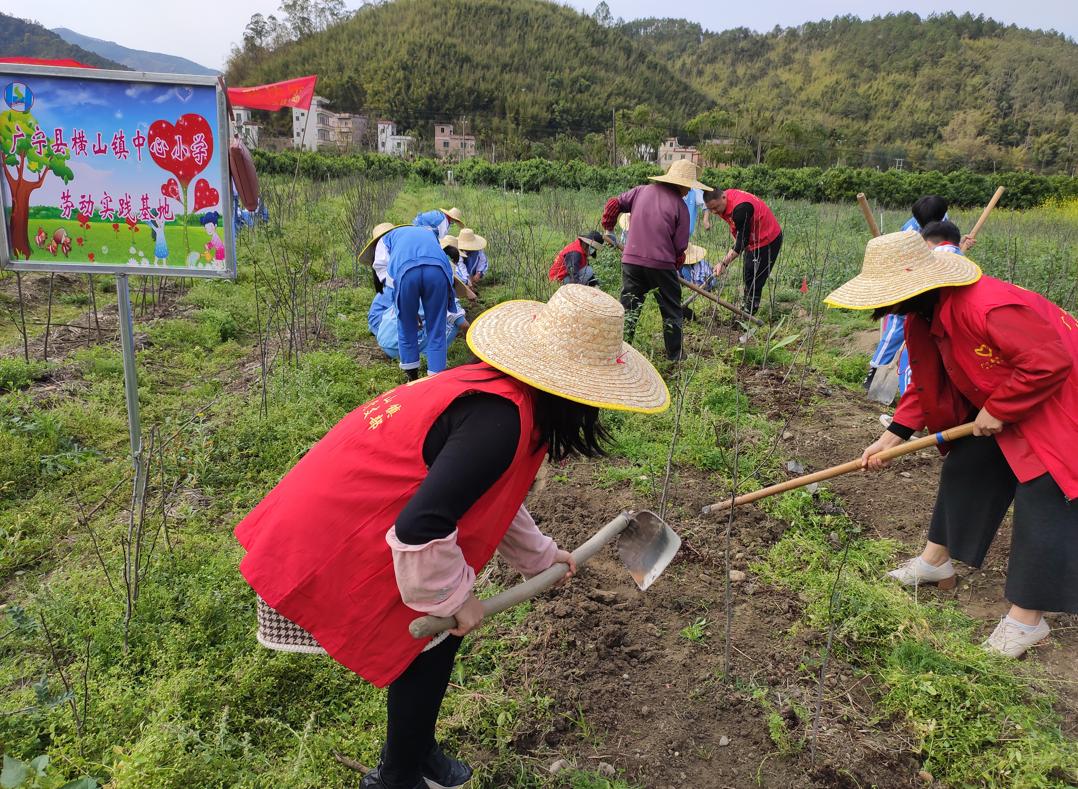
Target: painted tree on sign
pixel 28 157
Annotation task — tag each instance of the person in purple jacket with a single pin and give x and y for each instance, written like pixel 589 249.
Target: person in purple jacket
pixel 656 248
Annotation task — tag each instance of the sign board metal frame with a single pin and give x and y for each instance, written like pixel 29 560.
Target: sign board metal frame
pixel 223 139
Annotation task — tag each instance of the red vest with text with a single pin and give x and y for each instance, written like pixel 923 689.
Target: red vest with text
pixel 1050 429
pixel 764 229
pixel 316 547
pixel 558 272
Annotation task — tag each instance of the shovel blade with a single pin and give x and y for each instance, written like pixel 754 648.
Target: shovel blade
pixel 646 547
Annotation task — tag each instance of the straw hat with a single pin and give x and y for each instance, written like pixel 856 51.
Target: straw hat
pixel 591 242
pixel 694 254
pixel 681 173
pixel 571 347
pixel 899 266
pixel 367 255
pixel 454 215
pixel 449 241
pixel 470 242
pixel 623 221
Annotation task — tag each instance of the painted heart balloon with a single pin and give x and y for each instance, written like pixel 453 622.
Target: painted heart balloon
pixel 171 188
pixel 205 195
pixel 183 148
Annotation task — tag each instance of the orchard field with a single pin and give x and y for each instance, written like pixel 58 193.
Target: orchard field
pixel 770 653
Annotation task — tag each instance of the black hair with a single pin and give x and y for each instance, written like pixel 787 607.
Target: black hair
pixel 942 231
pixel 565 426
pixel 922 304
pixel 594 235
pixel 929 209
pixel 210 216
pixel 452 253
pixel 712 194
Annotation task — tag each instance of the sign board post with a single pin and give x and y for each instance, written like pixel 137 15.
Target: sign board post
pixel 115 172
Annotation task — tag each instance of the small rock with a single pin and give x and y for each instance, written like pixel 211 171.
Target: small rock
pixel 814 488
pixel 836 543
pixel 724 741
pixel 905 474
pixel 558 766
pixel 787 435
pixel 606 769
pixel 624 676
pixel 794 467
pixel 926 776
pixel 737 576
pixel 645 710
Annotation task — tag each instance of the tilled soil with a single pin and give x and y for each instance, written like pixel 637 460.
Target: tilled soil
pixel 631 690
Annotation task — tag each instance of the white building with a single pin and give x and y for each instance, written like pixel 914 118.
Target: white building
pixel 317 128
pixel 392 143
pixel 243 126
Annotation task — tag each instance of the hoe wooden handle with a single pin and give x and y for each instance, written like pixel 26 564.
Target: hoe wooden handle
pixel 426 626
pixel 867 211
pixel 835 471
pixel 987 210
pixel 721 302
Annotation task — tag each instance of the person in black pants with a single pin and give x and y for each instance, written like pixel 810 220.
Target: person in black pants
pixel 757 235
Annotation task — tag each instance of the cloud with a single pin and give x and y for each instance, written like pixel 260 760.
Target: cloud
pixel 75 97
pixel 135 91
pixel 119 115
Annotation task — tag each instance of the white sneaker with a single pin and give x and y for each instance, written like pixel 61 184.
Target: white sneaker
pixel 886 420
pixel 917 571
pixel 1011 639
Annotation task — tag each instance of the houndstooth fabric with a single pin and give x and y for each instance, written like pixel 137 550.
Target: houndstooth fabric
pixel 283 635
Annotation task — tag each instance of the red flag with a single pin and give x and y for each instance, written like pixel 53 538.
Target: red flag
pixel 43 62
pixel 290 93
pixel 804 285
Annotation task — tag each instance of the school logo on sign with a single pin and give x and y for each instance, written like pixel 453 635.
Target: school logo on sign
pixel 18 97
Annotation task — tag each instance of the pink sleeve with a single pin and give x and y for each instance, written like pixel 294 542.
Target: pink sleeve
pixel 433 578
pixel 525 547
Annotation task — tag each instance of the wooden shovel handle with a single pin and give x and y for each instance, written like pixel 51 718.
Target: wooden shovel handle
pixel 835 471
pixel 721 302
pixel 867 211
pixel 426 626
pixel 987 210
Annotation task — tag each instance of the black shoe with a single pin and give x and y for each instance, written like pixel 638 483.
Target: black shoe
pixel 687 313
pixel 413 374
pixel 441 771
pixel 373 780
pixel 681 356
pixel 868 378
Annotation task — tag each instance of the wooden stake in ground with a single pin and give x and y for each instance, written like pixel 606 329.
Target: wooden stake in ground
pixel 835 471
pixel 867 211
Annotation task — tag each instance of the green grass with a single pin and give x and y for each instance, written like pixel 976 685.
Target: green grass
pixel 116 243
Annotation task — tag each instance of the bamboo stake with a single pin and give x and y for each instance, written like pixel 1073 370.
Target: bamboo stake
pixel 835 471
pixel 867 211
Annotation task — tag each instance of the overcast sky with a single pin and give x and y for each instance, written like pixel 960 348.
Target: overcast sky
pixel 206 35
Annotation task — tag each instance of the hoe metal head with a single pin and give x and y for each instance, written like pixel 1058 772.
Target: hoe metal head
pixel 646 546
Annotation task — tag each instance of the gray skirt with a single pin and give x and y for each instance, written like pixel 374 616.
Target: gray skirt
pixel 976 490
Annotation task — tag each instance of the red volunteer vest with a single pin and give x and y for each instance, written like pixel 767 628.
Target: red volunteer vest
pixel 1050 429
pixel 764 229
pixel 558 271
pixel 316 548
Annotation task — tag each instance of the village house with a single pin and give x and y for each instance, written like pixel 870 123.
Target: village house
pixel 448 145
pixel 671 151
pixel 392 143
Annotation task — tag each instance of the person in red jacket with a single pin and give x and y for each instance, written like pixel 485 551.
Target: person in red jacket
pixel 756 233
pixel 572 266
pixel 396 510
pixel 986 351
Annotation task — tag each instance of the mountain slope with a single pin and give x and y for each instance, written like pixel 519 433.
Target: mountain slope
pixel 516 66
pixel 946 86
pixel 137 59
pixel 19 37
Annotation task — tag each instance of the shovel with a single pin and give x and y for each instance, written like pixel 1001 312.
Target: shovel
pixel 645 546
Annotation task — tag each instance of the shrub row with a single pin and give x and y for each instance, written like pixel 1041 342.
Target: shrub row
pixel 889 188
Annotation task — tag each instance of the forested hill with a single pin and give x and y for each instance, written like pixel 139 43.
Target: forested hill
pixel 936 90
pixel 21 38
pixel 528 67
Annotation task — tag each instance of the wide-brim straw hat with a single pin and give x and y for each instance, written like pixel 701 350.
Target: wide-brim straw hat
pixel 694 254
pixel 623 221
pixel 468 241
pixel 899 266
pixel 454 214
pixel 367 255
pixel 681 173
pixel 448 241
pixel 590 242
pixel 571 347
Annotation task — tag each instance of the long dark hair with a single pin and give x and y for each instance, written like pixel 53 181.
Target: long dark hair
pixel 565 426
pixel 922 304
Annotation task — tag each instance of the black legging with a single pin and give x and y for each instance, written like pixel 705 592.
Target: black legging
pixel 412 706
pixel 636 283
pixel 756 269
